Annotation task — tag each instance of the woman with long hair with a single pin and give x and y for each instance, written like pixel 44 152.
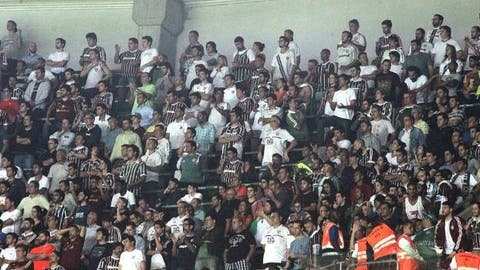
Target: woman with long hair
pixel 218 73
pixel 450 57
pixel 38 216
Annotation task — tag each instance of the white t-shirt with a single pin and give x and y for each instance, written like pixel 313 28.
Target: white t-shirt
pixel 201 88
pixel 43 183
pixel 103 124
pixel 438 50
pixel 421 81
pixel 176 131
pixel 344 97
pixel 287 60
pixel 48 76
pixel 293 47
pixel 216 118
pixel 230 96
pixel 191 74
pixel 359 40
pixel 449 243
pixel 257 125
pixel 8 254
pixel 176 225
pixel 131 260
pixel 275 241
pixel 57 57
pixel 218 77
pixel 146 57
pixel 128 195
pixel 188 197
pixel 368 70
pixel 275 142
pixel 381 129
pixel 345 56
pixel 15 215
pixel 152 159
pixel 94 76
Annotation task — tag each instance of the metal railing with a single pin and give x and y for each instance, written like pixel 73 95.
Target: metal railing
pixel 348 265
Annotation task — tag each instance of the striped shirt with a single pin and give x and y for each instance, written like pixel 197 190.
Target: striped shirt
pixel 246 105
pixel 3 117
pixel 360 87
pixel 387 109
pixel 243 58
pixel 108 263
pixel 77 161
pixel 324 70
pixel 230 131
pixel 383 42
pixel 169 113
pixel 132 171
pixel 88 166
pixel 60 212
pixel 105 98
pixel 130 62
pixel 230 169
pixel 255 82
pixel 86 53
pixel 114 235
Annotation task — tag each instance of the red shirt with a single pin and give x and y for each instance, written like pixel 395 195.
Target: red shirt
pixel 241 191
pixel 46 249
pixel 10 106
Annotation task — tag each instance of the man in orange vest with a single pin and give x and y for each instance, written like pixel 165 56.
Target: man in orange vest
pixel 382 240
pixel 359 247
pixel 465 261
pixel 408 255
pixel 332 242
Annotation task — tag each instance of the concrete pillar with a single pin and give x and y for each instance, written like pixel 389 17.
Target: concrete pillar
pixel 161 19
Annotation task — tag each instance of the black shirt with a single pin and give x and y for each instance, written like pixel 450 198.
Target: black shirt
pixel 238 246
pixel 92 136
pixel 96 254
pixel 185 257
pixel 388 83
pixel 222 215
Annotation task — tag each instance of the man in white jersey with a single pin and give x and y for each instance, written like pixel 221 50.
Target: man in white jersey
pixel 358 39
pixel 292 46
pixel 438 52
pixel 275 243
pixel 59 59
pixel 283 63
pixel 347 54
pixel 148 58
pixel 414 205
pixel 274 141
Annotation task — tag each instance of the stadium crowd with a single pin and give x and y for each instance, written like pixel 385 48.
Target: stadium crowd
pixel 230 162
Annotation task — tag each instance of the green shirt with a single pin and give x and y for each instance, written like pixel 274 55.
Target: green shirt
pixel 293 120
pixel 425 242
pixel 191 170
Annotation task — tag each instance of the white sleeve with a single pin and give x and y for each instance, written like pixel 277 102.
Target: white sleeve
pixel 287 136
pixel 114 200
pixel 31 77
pixel 250 55
pixel 292 58
pixel 67 56
pixel 453 264
pixel 390 128
pixel 274 61
pixel 131 199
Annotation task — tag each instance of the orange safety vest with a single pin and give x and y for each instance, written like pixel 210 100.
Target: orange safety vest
pixel 467 261
pixel 405 261
pixel 382 240
pixel 362 254
pixel 326 243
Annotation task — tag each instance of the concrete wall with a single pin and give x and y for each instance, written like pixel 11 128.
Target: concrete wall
pixel 318 23
pixel 43 21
